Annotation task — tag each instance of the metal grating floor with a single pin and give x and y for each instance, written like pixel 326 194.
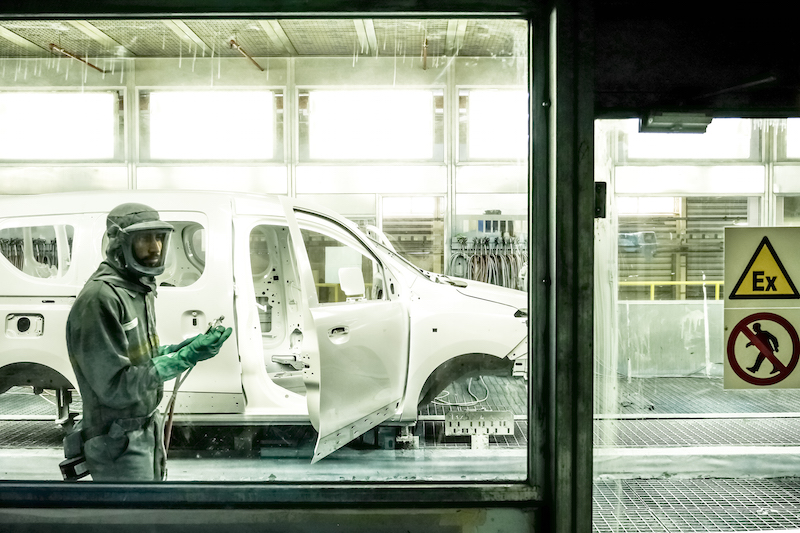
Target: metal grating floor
pixel 664 505
pixel 698 432
pixel 500 393
pixel 653 396
pixel 489 393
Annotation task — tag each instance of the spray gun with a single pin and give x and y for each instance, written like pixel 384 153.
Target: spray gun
pixel 214 323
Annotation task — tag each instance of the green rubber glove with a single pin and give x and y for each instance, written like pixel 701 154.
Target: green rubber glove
pixel 199 348
pixel 170 348
pixel 205 346
pixel 170 366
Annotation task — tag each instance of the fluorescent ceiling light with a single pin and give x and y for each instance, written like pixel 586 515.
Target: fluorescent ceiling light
pixel 211 125
pixel 57 125
pixel 371 124
pixel 728 138
pixel 664 122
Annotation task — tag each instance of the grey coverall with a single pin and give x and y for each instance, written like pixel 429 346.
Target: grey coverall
pixel 111 339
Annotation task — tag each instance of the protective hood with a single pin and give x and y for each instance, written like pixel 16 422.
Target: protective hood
pixel 124 224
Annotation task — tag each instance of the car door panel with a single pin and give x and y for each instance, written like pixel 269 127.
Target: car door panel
pixel 355 353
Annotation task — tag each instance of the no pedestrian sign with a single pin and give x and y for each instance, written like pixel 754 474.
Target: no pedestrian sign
pixel 762 308
pixel 760 361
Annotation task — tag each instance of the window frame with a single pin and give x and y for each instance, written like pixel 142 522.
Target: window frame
pixel 529 496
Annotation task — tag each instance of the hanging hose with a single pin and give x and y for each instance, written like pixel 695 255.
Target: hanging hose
pixel 178 382
pixel 499 262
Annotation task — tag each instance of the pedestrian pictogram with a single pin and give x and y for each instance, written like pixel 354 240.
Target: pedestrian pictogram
pixel 764 277
pixel 760 330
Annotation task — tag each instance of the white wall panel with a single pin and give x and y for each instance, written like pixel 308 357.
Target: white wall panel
pixel 375 179
pixel 346 204
pixel 367 72
pixel 43 179
pixel 683 180
pixel 266 180
pixel 487 71
pixel 206 72
pixel 479 178
pixel 63 72
pixel 477 204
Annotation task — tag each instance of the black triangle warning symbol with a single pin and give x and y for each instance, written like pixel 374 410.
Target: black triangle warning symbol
pixel 764 277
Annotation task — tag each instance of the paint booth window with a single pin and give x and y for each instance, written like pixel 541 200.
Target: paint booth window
pixel 371 125
pixel 730 138
pixel 671 248
pixel 61 126
pixel 211 125
pixel 492 125
pixel 38 251
pixel 789 214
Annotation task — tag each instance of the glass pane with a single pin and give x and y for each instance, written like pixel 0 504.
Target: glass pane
pixel 662 409
pixel 79 125
pixel 791 210
pixel 360 116
pixel 329 257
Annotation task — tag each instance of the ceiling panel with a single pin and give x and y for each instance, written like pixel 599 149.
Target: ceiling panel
pixel 248 34
pixel 61 33
pixel 322 37
pixel 143 38
pixel 494 38
pixel 265 37
pixel 406 37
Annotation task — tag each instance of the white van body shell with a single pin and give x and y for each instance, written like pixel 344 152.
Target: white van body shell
pixel 363 362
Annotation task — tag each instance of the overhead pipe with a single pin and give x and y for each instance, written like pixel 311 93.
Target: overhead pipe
pixel 64 52
pixel 234 44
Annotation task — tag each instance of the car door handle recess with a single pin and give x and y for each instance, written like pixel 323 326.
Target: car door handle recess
pixel 338 330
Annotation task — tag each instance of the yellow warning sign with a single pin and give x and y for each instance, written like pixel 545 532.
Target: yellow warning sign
pixel 764 277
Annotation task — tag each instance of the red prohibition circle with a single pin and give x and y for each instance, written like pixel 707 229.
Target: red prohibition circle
pixel 740 327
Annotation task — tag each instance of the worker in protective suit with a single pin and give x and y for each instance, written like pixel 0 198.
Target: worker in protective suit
pixel 114 349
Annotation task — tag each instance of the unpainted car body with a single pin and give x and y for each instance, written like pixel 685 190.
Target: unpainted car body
pixel 305 347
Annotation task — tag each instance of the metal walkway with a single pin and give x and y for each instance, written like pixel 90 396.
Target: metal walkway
pixel 696 505
pixel 644 415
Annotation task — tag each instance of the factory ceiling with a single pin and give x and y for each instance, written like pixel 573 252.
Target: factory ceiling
pixel 264 37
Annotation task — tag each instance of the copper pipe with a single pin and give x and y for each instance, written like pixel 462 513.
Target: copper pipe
pixel 234 44
pixel 62 51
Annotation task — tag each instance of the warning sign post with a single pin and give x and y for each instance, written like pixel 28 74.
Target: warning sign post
pixel 762 308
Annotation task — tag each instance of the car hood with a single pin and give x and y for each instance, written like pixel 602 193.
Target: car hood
pixel 487 291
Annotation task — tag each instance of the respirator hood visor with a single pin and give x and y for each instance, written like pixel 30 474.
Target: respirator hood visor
pixel 141 238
